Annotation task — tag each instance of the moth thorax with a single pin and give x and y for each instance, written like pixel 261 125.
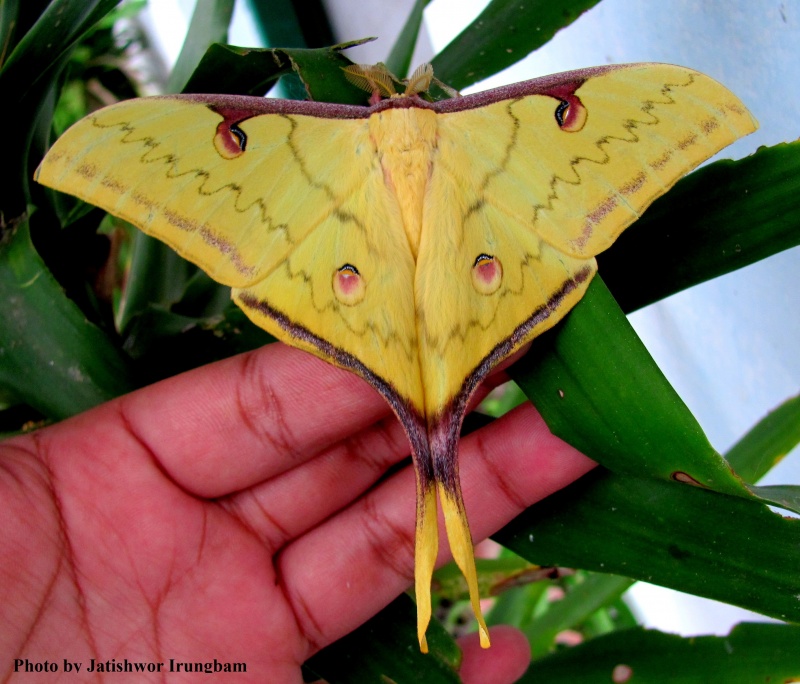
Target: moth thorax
pixel 405 141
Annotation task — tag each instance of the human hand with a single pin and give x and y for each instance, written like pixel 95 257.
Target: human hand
pixel 232 512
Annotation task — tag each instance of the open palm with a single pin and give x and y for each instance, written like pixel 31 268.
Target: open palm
pixel 233 513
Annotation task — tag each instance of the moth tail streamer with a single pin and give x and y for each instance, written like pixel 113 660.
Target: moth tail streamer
pixel 460 540
pixel 436 469
pixel 427 547
pixel 425 552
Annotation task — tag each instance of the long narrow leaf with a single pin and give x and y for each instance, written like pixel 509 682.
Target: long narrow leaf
pixel 596 591
pixel 209 25
pixel 598 388
pixel 690 539
pixel 399 59
pixel 717 219
pixel 768 442
pixel 27 81
pixel 61 25
pixel 752 652
pixel 51 357
pixel 9 19
pixel 504 33
pixel 785 496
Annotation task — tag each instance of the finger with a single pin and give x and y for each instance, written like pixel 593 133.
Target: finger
pixel 228 425
pixel 282 508
pixel 285 507
pixel 347 568
pixel 504 663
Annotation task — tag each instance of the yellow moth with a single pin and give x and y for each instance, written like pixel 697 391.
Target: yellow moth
pixel 416 244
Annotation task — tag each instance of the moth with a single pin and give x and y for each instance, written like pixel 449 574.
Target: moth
pixel 415 243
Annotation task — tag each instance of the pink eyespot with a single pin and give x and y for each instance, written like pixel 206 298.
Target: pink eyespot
pixel 230 140
pixel 487 274
pixel 570 114
pixel 348 285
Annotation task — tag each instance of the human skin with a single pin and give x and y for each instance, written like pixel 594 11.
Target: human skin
pixel 238 512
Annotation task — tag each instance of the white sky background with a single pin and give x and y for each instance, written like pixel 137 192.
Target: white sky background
pixel 730 346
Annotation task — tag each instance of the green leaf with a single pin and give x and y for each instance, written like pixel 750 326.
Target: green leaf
pixel 18 17
pixel 385 649
pixel 52 357
pixel 46 44
pixel 9 18
pixel 504 33
pixel 785 496
pixel 719 218
pixel 599 389
pixel 27 86
pixel 251 71
pixel 502 399
pixel 399 59
pixel 767 443
pixel 590 594
pixel 209 25
pixel 158 276
pixel 695 540
pixel 752 652
pixel 517 605
pixel 292 24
